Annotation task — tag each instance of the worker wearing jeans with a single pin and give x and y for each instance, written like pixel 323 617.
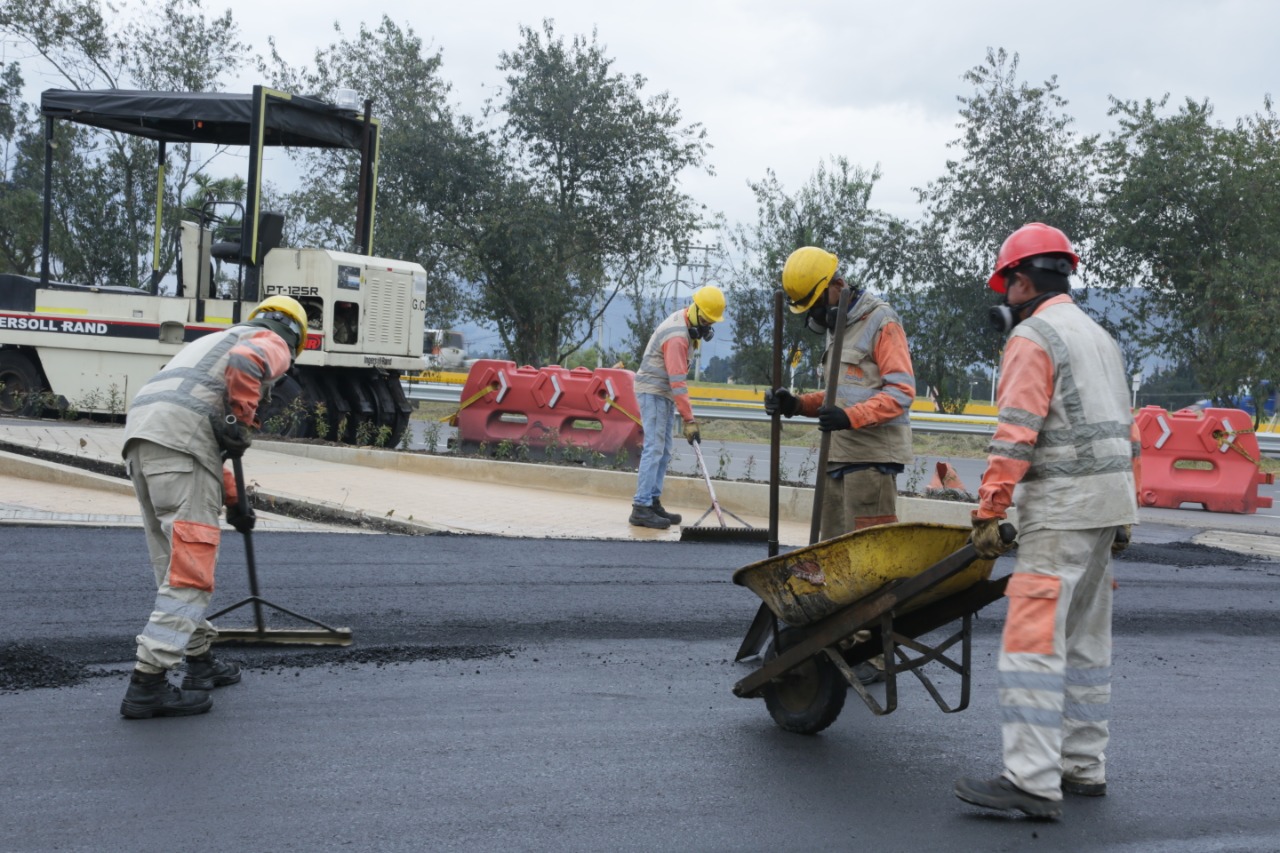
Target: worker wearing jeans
pixel 656 416
pixel 662 390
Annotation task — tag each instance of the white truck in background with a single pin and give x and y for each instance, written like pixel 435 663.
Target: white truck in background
pixel 444 349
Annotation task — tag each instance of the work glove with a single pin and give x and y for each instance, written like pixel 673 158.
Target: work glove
pixel 1123 535
pixel 691 432
pixel 233 437
pixel 832 418
pixel 241 521
pixel 986 538
pixel 781 401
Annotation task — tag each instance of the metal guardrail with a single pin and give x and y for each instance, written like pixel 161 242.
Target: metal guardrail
pixel 447 392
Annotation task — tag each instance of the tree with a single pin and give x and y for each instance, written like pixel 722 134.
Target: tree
pixel 832 210
pixel 584 200
pixel 101 229
pixel 1191 212
pixel 20 186
pixel 1019 162
pixel 433 166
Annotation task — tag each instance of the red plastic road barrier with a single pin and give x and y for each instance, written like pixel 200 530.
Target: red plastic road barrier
pixel 1223 438
pixel 550 409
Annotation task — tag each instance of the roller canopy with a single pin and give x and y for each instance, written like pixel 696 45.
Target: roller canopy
pixel 212 117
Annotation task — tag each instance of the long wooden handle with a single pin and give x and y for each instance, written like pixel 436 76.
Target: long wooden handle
pixel 824 445
pixel 775 426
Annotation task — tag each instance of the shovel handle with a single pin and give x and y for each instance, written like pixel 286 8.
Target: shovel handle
pixel 824 444
pixel 242 501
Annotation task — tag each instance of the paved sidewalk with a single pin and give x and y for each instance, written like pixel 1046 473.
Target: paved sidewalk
pixel 356 488
pixel 417 493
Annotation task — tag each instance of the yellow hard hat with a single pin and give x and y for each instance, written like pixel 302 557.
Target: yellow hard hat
pixel 807 272
pixel 295 317
pixel 710 302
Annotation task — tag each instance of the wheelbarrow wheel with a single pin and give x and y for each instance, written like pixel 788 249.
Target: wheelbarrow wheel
pixel 809 697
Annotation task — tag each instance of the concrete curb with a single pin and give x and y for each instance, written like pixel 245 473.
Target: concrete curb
pixel 794 503
pixel 318 510
pixel 30 468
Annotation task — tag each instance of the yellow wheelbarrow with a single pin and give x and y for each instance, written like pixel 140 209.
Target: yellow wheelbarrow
pixel 844 601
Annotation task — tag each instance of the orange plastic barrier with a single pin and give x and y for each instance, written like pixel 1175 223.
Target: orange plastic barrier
pixel 550 409
pixel 1223 438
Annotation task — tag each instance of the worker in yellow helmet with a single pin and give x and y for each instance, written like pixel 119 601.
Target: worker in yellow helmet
pixel 869 420
pixel 662 390
pixel 195 413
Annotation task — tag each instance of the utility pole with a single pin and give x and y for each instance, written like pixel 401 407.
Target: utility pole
pixel 704 265
pixel 600 340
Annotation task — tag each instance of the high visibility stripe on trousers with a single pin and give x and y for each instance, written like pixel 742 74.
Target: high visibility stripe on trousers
pixel 1055 660
pixel 180 502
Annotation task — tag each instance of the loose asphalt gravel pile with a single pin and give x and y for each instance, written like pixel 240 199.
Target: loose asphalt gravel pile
pixel 351 657
pixel 1185 554
pixel 28 667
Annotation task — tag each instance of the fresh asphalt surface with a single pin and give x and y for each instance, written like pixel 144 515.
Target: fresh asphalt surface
pixel 507 694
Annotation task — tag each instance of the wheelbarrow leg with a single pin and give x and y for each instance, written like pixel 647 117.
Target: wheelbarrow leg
pixel 764 625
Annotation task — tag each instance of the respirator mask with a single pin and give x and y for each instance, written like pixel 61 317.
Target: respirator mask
pixel 822 318
pixel 698 330
pixel 1005 316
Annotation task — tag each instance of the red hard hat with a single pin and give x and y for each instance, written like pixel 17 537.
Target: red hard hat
pixel 1034 238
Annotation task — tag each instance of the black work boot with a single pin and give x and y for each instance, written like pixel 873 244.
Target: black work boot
pixel 151 695
pixel 673 517
pixel 644 516
pixel 1003 795
pixel 1083 789
pixel 205 672
pixel 868 673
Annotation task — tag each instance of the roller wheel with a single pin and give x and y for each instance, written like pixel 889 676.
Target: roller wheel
pixel 362 419
pixel 19 384
pixel 808 698
pixel 324 407
pixel 401 409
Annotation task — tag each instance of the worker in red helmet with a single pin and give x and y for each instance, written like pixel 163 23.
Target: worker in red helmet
pixel 1065 452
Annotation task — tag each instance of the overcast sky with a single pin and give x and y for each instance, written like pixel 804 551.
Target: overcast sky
pixel 783 85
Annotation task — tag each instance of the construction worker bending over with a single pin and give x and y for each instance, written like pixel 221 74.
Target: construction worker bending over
pixel 662 390
pixel 1065 437
pixel 196 412
pixel 870 424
